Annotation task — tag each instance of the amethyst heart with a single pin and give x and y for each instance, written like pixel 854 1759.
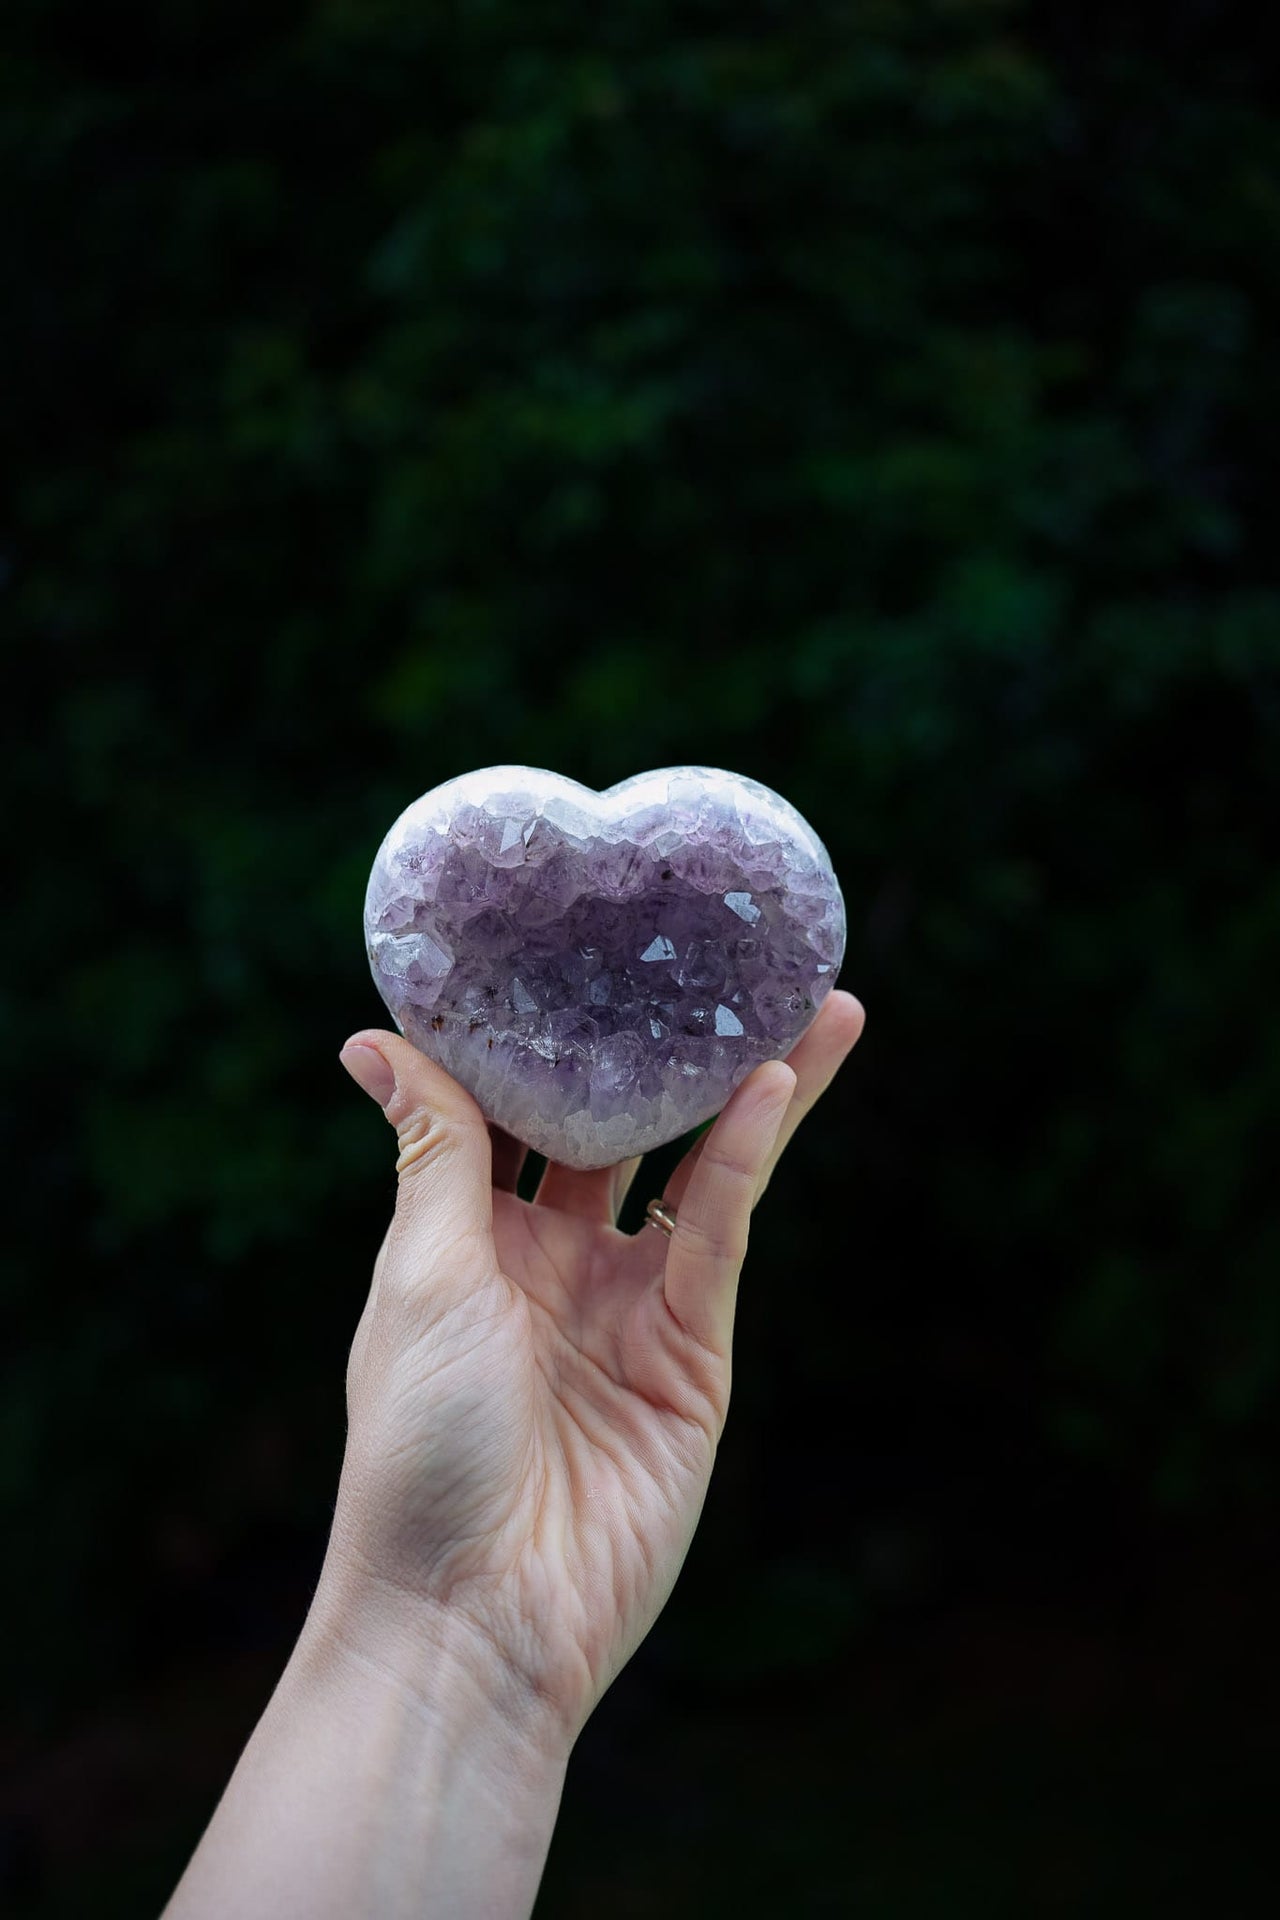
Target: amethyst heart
pixel 601 970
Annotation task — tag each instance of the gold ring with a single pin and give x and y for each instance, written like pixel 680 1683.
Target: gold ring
pixel 660 1214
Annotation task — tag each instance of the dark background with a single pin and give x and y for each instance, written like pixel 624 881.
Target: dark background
pixel 879 400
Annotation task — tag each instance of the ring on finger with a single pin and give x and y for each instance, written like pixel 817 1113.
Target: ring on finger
pixel 661 1214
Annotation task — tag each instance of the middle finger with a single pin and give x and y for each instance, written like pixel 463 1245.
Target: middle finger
pixel 597 1195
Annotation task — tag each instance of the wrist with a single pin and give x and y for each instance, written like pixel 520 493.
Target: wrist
pixel 440 1660
pixel 450 1780
pixel 397 1770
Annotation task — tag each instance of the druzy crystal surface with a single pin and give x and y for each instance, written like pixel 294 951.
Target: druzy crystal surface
pixel 601 970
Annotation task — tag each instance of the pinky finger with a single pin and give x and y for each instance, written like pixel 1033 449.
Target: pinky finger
pixel 709 1241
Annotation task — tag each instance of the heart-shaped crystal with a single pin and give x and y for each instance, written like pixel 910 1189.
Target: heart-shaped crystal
pixel 601 970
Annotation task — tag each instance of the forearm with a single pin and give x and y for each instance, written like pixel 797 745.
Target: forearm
pixel 372 1786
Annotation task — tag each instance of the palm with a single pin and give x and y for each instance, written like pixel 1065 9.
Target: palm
pixel 598 1319
pixel 576 1507
pixel 552 1431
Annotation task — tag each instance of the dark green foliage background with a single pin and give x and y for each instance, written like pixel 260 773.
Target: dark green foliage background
pixel 879 400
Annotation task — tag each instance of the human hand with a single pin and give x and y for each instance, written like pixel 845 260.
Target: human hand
pixel 534 1397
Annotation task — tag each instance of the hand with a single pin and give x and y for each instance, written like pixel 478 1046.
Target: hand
pixel 534 1397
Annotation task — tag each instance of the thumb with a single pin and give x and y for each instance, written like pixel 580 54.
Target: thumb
pixel 444 1197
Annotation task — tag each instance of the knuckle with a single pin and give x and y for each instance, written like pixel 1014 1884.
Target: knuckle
pixel 712 1241
pixel 728 1166
pixel 422 1139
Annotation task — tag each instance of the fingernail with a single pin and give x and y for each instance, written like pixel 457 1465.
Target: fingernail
pixel 369 1070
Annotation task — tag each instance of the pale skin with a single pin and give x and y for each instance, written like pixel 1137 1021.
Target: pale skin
pixel 534 1404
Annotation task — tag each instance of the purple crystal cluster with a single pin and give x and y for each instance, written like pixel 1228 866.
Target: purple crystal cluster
pixel 601 970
